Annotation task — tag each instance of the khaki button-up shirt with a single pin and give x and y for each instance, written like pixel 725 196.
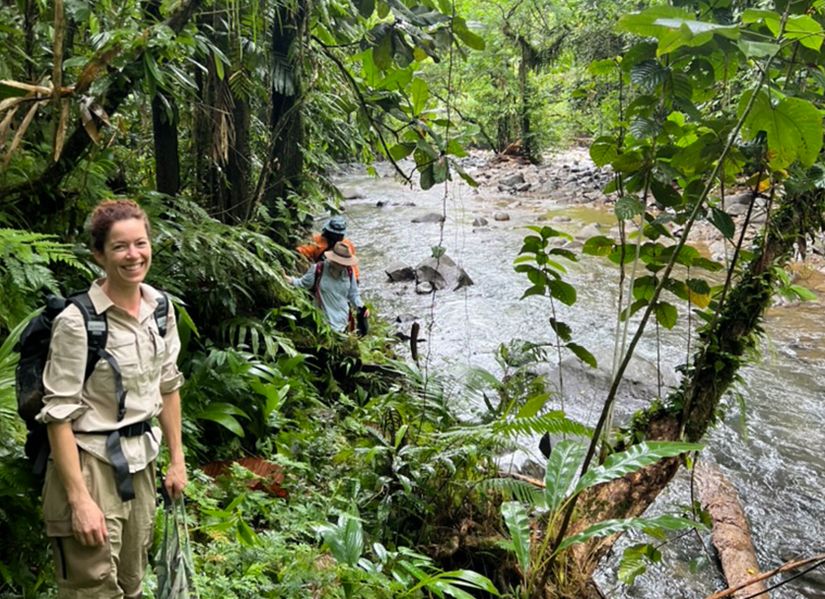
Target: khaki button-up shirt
pixel 147 361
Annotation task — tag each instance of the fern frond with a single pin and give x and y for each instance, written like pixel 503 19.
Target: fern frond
pixel 554 422
pixel 515 489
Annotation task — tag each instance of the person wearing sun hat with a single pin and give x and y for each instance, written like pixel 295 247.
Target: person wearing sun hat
pixel 335 287
pixel 333 231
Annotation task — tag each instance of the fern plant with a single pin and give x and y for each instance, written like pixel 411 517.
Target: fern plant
pixel 26 263
pixel 562 483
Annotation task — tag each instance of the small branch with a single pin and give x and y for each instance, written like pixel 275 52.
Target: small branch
pixel 363 103
pixel 786 567
pixel 526 479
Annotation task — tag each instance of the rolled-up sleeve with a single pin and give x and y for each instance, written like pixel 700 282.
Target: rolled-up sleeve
pixel 306 281
pixel 64 374
pixel 171 379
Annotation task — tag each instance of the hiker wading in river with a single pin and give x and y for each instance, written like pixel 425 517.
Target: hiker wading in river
pixel 335 287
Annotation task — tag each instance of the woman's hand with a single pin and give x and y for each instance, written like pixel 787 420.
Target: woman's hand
pixel 89 523
pixel 176 479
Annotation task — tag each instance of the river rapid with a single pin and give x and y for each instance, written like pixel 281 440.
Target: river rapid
pixel 774 454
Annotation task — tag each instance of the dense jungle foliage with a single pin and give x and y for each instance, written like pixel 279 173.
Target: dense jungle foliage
pixel 224 118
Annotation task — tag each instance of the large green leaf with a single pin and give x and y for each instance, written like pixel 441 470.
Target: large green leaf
pixel 722 221
pixel 603 150
pixel 633 459
pixel 804 29
pixel 582 353
pixel 562 467
pixel 419 94
pixel 666 314
pixel 224 414
pixel 793 126
pixel 634 561
pixel 564 292
pixel 515 517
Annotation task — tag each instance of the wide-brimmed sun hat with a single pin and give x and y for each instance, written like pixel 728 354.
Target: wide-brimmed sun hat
pixel 337 225
pixel 341 254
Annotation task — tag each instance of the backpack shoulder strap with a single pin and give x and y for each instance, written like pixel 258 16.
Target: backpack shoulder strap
pixel 319 270
pixel 97 330
pixel 97 333
pixel 349 272
pixel 162 313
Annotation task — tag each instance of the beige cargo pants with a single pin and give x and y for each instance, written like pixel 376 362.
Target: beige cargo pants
pixel 115 569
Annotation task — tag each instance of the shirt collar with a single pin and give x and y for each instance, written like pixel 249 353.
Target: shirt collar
pixel 102 302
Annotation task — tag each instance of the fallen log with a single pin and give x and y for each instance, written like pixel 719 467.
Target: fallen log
pixel 731 533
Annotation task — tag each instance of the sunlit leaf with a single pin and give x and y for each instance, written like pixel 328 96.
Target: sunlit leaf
pixel 518 525
pixel 562 469
pixel 633 459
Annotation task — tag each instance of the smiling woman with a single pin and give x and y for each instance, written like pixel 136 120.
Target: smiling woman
pixel 99 492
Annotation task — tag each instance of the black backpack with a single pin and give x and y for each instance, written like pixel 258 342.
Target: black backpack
pixel 34 351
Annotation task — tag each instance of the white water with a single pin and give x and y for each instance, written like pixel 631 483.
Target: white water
pixel 778 466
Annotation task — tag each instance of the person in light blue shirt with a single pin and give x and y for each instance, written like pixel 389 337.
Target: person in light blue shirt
pixel 335 287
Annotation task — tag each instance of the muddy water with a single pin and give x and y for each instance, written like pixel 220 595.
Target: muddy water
pixel 775 455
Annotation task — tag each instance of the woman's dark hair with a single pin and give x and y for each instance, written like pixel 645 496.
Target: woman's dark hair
pixel 107 213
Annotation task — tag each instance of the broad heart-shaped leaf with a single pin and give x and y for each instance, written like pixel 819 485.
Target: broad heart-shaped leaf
pixel 628 207
pixel 722 221
pixel 598 246
pixel 609 527
pixel 642 23
pixel 603 150
pixel 515 517
pixel 402 150
pixel 564 292
pixel 582 354
pixel 634 561
pixel 666 314
pixel 793 126
pixel 635 458
pixel 562 466
pixel 805 29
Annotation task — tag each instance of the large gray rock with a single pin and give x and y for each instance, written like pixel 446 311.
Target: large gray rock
pixel 442 273
pixel 512 180
pixel 431 217
pixel 501 216
pixel 480 221
pixel 400 272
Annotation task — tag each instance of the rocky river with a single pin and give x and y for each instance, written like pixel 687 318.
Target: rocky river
pixel 773 452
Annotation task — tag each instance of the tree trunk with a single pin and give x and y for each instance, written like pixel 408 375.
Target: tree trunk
pixel 286 160
pixel 165 130
pixel 690 410
pixel 221 135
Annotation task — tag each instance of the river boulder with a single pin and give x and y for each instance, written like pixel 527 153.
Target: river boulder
pixel 431 217
pixel 400 272
pixel 441 273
